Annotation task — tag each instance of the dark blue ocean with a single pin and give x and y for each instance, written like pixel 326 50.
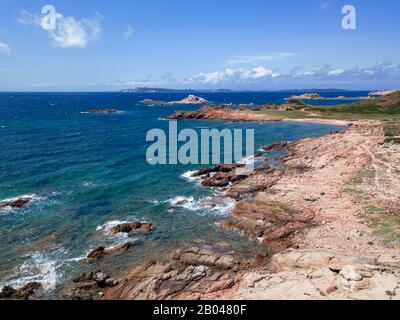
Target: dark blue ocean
pixel 87 171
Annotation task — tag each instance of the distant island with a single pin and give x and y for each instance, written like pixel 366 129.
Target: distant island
pixel 314 89
pixel 164 90
pixel 191 99
pixel 316 96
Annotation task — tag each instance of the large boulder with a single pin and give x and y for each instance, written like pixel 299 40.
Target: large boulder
pixel 137 227
pixel 100 252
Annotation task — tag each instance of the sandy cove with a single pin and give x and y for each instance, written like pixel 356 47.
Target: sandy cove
pixel 325 244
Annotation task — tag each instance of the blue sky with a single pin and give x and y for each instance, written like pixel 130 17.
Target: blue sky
pixel 207 44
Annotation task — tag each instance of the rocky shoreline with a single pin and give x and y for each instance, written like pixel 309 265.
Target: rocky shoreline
pixel 224 112
pixel 322 248
pixel 318 241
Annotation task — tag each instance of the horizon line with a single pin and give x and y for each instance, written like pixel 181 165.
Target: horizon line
pixel 191 90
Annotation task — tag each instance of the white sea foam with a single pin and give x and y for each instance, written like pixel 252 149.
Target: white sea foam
pixel 33 196
pixel 87 112
pixel 247 160
pixel 223 206
pixel 39 267
pixel 77 259
pixel 188 176
pixel 214 205
pixel 88 184
pixel 107 227
pixel 185 202
pixel 113 240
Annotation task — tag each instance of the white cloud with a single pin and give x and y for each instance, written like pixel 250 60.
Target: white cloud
pixel 128 32
pixel 263 77
pixel 335 72
pixel 5 48
pixel 28 18
pixel 234 75
pixel 384 71
pixel 260 58
pixel 320 74
pixel 165 79
pixel 70 32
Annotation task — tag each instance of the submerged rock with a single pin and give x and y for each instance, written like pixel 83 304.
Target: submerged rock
pixel 96 254
pixel 103 111
pixel 18 203
pixel 151 102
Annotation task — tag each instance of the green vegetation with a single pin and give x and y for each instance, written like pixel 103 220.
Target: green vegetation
pixel 386 109
pixel 392 131
pixel 353 191
pixel 383 108
pixel 361 176
pixel 384 221
pixel 385 224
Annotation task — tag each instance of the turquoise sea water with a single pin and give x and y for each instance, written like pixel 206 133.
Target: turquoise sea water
pixel 88 170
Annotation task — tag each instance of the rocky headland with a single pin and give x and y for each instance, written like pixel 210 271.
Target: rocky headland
pixel 191 99
pixel 384 92
pixel 224 112
pixel 316 96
